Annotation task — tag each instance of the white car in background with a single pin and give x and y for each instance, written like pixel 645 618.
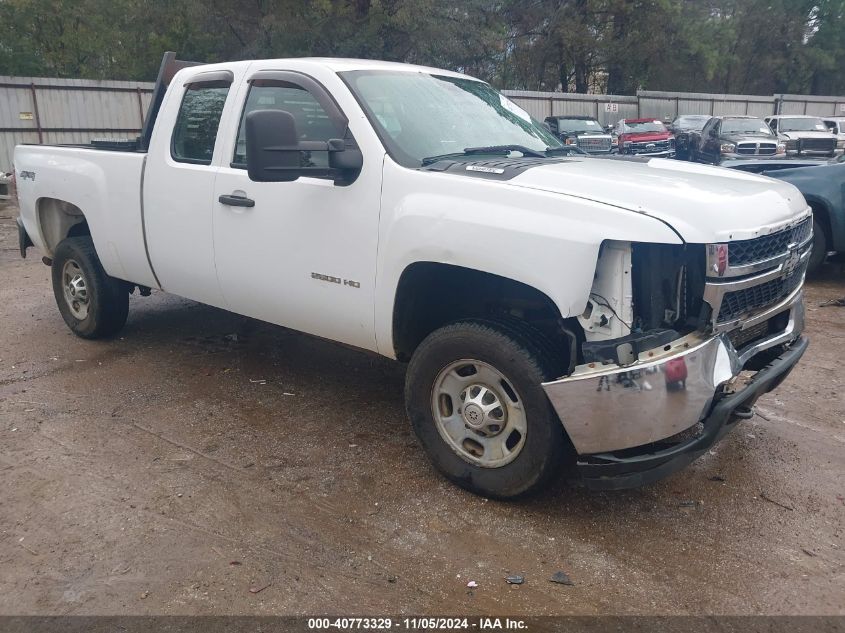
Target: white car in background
pixel 836 125
pixel 803 134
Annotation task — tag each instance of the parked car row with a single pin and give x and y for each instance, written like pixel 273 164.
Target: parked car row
pixel 704 138
pixel 785 147
pixel 639 137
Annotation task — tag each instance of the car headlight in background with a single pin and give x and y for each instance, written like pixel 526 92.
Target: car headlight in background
pixel 727 148
pixel 781 148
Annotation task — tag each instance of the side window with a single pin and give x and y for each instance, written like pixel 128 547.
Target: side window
pixel 196 125
pixel 312 122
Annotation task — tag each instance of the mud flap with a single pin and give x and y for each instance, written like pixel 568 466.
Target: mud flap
pixel 23 238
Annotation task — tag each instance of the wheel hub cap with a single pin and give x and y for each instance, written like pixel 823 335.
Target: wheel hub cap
pixel 478 413
pixel 75 289
pixel 483 411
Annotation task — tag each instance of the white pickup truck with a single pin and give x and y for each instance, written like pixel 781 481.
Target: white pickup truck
pixel 554 309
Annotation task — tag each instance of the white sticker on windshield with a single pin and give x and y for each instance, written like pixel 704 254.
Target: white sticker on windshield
pixel 765 130
pixel 658 122
pixel 510 106
pixel 592 124
pixel 821 126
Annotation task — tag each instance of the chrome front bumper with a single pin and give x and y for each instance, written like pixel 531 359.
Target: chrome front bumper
pixel 666 391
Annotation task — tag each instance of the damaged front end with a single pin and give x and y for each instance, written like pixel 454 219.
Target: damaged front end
pixel 664 372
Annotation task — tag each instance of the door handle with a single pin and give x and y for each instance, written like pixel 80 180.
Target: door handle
pixel 236 201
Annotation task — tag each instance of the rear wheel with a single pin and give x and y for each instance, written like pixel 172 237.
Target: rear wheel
pixel 819 251
pixel 474 396
pixel 92 304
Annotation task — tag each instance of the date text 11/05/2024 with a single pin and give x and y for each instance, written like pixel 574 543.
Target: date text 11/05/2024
pixel 421 623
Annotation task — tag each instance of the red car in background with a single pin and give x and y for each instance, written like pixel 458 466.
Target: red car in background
pixel 644 137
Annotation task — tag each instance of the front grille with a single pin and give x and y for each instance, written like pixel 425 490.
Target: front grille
pixel 757 149
pixel 594 144
pixel 740 302
pixel 744 252
pixel 650 147
pixel 816 144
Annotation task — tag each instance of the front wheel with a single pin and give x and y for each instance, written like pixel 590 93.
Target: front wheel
pixel 474 396
pixel 92 304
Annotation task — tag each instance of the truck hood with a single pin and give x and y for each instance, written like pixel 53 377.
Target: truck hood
pixel 805 134
pixel 738 137
pixel 703 204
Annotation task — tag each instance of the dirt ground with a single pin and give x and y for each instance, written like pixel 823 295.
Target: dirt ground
pixel 204 463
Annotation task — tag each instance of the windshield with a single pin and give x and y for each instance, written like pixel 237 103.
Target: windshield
pixel 638 127
pixel 810 124
pixel 745 126
pixel 578 125
pixel 692 122
pixel 418 115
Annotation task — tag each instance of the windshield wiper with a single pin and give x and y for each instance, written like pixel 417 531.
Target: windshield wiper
pixel 490 149
pixel 496 149
pixel 565 150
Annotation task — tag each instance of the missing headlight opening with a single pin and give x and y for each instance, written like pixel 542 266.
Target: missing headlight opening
pixel 643 296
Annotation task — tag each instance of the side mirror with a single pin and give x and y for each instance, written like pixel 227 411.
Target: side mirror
pixel 274 152
pixel 272 146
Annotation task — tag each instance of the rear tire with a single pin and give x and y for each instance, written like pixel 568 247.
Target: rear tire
pixel 457 380
pixel 819 251
pixel 92 304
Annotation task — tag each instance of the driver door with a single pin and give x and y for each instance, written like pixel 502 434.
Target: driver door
pixel 299 254
pixel 710 144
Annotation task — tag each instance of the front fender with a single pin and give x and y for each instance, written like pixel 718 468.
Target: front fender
pixel 545 240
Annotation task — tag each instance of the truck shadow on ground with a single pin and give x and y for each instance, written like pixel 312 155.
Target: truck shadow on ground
pixel 213 345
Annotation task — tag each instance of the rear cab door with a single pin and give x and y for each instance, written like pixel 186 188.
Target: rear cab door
pixel 178 183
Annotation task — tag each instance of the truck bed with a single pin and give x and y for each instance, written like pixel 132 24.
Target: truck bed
pixel 106 183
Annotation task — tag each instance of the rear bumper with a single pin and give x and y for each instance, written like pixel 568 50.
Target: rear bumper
pixel 736 156
pixel 660 154
pixel 636 424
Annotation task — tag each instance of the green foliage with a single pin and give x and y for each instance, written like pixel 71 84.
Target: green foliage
pixel 618 46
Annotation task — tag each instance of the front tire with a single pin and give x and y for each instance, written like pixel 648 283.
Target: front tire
pixel 474 396
pixel 92 304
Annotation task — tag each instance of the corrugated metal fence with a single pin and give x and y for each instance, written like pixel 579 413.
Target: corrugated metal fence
pixel 609 109
pixel 38 110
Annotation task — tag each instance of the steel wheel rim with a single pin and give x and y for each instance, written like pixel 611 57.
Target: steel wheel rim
pixel 75 289
pixel 479 413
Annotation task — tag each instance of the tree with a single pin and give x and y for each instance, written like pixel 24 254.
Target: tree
pixel 618 46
